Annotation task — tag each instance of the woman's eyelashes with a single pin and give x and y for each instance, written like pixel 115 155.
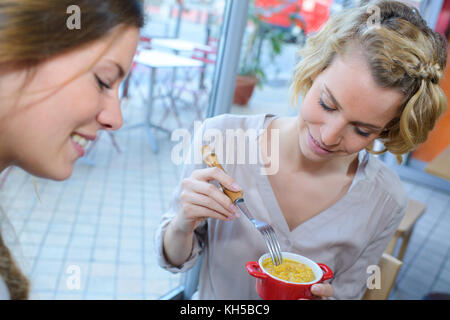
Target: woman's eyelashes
pixel 362 133
pixel 102 85
pixel 328 109
pixel 324 106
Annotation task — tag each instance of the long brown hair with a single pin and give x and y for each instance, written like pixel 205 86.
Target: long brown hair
pixel 33 31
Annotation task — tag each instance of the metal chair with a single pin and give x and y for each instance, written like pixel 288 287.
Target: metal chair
pixel 144 43
pixel 193 83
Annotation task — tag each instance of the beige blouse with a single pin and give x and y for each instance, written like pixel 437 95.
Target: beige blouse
pixel 348 237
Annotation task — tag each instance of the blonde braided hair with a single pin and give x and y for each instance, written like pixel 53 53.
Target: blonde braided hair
pixel 402 52
pixel 430 72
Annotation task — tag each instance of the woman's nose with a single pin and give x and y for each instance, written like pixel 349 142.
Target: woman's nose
pixel 331 134
pixel 111 116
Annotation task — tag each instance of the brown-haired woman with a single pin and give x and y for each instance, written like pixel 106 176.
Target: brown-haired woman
pixel 59 86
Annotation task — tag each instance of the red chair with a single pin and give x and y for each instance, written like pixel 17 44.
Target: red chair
pixel 309 15
pixel 144 43
pixel 315 13
pixel 207 55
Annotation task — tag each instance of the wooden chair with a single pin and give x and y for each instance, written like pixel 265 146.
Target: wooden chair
pixel 389 267
pixel 404 231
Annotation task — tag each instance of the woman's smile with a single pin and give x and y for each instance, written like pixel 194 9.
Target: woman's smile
pixel 71 107
pixel 80 142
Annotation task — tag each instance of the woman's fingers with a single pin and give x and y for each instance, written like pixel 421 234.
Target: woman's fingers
pixel 201 199
pixel 208 202
pixel 211 191
pixel 204 212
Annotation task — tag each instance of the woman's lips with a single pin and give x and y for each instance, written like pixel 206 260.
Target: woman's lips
pixel 316 147
pixel 80 142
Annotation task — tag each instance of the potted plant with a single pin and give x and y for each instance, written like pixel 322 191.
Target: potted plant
pixel 251 71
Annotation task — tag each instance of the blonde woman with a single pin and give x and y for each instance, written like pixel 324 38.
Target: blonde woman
pixel 59 86
pixel 362 78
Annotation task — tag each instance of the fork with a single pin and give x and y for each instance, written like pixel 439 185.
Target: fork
pixel 237 198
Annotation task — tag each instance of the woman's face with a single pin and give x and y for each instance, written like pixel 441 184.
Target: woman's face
pixel 41 128
pixel 345 110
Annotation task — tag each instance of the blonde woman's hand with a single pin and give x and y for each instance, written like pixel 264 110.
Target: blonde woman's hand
pixel 200 199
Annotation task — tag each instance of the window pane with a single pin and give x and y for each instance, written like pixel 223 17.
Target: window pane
pixel 276 30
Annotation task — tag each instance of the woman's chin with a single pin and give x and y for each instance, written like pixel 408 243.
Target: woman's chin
pixel 57 174
pixel 61 177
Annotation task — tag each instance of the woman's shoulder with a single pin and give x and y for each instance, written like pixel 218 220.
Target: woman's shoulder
pixel 387 181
